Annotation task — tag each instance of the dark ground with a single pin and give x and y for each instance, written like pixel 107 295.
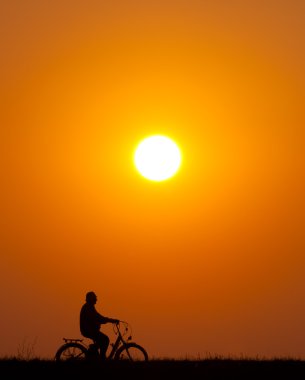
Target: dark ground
pixel 156 369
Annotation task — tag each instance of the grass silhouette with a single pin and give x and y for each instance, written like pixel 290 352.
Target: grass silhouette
pixel 208 368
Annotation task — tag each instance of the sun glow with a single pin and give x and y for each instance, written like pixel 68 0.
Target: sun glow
pixel 157 158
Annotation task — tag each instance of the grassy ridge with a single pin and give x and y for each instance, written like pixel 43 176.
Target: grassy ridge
pixel 155 369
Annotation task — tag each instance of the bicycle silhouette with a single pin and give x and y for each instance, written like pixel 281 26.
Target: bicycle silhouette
pixel 122 348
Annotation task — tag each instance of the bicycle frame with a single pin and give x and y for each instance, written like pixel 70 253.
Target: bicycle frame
pixel 119 341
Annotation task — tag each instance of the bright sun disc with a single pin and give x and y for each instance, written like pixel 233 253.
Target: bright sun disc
pixel 157 158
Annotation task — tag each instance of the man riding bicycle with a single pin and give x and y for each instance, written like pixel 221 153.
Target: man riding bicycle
pixel 91 321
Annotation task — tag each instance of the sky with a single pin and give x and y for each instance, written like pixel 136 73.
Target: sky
pixel 209 262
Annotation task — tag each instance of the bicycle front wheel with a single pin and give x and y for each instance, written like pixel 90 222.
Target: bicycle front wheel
pixel 71 352
pixel 131 352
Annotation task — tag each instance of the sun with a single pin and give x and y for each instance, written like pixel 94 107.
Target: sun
pixel 157 158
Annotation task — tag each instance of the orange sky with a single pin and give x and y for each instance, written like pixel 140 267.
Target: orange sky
pixel 210 261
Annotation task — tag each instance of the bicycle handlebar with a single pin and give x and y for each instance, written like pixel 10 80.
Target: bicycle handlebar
pixel 117 325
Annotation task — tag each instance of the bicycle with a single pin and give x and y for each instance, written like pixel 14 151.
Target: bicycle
pixel 122 348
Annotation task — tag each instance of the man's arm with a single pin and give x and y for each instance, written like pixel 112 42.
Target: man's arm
pixel 113 320
pixel 103 319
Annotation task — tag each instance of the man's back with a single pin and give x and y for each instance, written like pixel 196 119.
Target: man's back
pixel 90 320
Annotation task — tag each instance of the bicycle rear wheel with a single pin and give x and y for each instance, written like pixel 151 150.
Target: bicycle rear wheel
pixel 71 352
pixel 131 352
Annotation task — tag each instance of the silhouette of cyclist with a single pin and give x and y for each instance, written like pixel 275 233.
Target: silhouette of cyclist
pixel 91 321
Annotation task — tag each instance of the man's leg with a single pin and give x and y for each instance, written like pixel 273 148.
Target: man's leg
pixel 102 341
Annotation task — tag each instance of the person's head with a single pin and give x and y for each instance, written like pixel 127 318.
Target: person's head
pixel 91 298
